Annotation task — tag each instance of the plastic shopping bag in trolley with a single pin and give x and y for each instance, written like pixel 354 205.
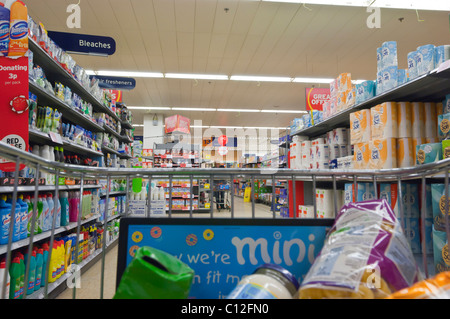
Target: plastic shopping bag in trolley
pixel 155 274
pixel 365 255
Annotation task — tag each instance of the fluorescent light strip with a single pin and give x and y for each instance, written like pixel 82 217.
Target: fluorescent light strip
pixel 147 108
pixel 196 76
pixel 260 78
pixel 283 111
pixel 193 109
pixel 437 5
pixel 312 80
pixel 128 74
pixel 239 110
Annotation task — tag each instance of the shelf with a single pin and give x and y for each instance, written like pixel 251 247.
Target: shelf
pixel 431 87
pixel 126 124
pixel 107 149
pixel 54 71
pixel 111 131
pixel 43 188
pixel 44 98
pixel 38 237
pixel 115 193
pixel 39 137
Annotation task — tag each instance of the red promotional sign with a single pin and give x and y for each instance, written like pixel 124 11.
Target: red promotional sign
pixel 14 106
pixel 315 97
pixel 116 95
pixel 223 140
pixel 177 123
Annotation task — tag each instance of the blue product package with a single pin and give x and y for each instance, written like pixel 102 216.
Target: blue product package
pixel 428 153
pixel 389 54
pixel 412 232
pixel 439 199
pixel 412 65
pixel 389 78
pixel 441 54
pixel 401 76
pixel 364 91
pixel 425 59
pixel 440 249
pixel 379 59
pixel 379 83
pixel 365 192
pixel 446 104
pixel 429 235
pixel 444 125
pixel 410 195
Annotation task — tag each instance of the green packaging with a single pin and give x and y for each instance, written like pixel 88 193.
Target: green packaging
pixel 428 153
pixel 155 274
pixel 445 149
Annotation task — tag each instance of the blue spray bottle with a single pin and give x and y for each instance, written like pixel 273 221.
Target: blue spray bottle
pixel 16 221
pixel 5 219
pixel 4 29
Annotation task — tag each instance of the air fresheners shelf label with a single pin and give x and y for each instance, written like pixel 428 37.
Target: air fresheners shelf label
pixel 14 106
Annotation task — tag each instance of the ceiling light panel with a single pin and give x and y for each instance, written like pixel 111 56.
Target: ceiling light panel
pixel 196 76
pixel 239 110
pixel 435 5
pixel 260 78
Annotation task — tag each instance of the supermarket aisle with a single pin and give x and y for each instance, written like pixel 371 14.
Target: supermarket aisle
pixel 90 280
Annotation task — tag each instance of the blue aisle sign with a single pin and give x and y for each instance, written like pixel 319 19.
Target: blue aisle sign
pixel 221 255
pixel 84 43
pixel 115 82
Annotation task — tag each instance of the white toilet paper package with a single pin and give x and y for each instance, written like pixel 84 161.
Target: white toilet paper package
pixel 365 256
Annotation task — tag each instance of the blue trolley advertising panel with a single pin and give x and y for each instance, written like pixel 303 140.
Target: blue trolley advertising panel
pixel 222 251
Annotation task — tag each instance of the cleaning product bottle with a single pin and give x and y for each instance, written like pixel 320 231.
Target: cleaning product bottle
pixel 46 212
pixel 40 214
pixel 51 209
pixel 64 202
pixel 53 264
pixel 8 280
pixel 57 212
pixel 45 249
pixel 18 34
pixel 62 254
pixel 22 274
pixel 16 227
pixel 31 273
pixel 23 217
pixel 27 200
pixel 15 277
pixel 5 217
pixel 4 30
pixel 39 264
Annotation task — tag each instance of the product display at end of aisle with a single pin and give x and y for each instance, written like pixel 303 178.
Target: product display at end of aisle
pixel 155 274
pixel 378 273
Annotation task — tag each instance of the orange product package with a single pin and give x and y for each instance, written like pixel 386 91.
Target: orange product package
pixel 437 287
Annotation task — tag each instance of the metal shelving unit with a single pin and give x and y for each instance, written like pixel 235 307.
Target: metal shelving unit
pixel 430 87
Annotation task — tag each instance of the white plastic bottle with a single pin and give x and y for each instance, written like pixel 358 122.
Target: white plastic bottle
pixel 269 281
pixel 8 280
pixel 45 154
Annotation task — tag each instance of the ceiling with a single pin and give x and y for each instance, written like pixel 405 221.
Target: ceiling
pixel 238 37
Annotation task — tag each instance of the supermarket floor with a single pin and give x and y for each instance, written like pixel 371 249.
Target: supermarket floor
pixel 91 279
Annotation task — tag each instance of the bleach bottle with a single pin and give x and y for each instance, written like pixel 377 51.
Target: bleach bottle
pixel 31 273
pixel 64 202
pixel 57 212
pixel 16 227
pixel 51 209
pixel 4 30
pixel 8 280
pixel 45 214
pixel 40 214
pixel 15 275
pixel 22 274
pixel 5 217
pixel 23 217
pixel 44 264
pixel 18 34
pixel 39 265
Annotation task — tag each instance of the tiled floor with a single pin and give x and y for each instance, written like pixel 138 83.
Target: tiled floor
pixel 91 279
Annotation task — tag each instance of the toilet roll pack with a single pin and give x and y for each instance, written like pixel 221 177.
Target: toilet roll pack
pixel 384 122
pixel 360 126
